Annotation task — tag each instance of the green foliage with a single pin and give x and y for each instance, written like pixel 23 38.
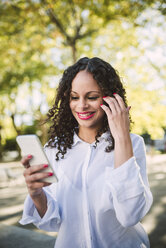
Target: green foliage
pixel 10 145
pixel 30 129
pixel 21 46
pixel 38 39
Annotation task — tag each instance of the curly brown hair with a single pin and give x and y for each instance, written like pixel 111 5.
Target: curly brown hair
pixel 64 125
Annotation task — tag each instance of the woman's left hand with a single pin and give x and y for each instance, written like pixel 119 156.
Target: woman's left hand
pixel 118 115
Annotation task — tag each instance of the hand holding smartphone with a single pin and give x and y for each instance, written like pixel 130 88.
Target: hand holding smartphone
pixel 30 144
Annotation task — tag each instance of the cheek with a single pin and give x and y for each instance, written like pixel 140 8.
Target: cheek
pixel 72 105
pixel 99 107
pixel 101 111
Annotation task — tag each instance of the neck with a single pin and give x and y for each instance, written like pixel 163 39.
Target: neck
pixel 88 135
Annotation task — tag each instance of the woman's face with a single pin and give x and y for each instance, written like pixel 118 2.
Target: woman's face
pixel 85 100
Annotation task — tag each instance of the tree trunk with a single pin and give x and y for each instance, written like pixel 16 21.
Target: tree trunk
pixel 74 52
pixel 18 131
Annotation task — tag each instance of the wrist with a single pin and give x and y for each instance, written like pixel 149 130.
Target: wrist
pixel 122 138
pixel 36 194
pixel 123 149
pixel 124 144
pixel 40 201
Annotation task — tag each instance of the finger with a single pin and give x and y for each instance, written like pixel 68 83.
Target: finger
pixel 36 168
pixel 128 108
pixel 25 161
pixel 106 109
pixel 113 104
pixel 120 101
pixel 37 185
pixel 38 176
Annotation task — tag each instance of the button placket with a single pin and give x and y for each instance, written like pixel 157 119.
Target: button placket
pixel 86 212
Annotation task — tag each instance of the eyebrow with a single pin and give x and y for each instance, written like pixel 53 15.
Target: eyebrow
pixel 88 92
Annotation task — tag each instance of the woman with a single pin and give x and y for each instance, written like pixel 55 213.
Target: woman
pixel 103 190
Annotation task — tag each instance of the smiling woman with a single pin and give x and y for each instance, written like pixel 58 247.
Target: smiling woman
pixel 102 191
pixel 85 100
pixel 84 83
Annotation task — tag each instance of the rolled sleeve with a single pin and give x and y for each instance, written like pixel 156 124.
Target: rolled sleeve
pixel 125 181
pixel 129 188
pixel 49 222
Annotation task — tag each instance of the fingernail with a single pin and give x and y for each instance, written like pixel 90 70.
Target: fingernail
pixel 29 156
pixel 114 93
pixel 101 104
pixel 50 174
pixel 104 96
pixel 45 165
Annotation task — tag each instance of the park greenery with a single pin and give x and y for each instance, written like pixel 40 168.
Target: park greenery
pixel 40 38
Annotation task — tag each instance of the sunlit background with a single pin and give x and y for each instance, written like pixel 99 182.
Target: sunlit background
pixel 40 38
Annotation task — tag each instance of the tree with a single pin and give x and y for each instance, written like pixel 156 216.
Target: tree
pixel 138 53
pixel 85 18
pixel 31 31
pixel 30 28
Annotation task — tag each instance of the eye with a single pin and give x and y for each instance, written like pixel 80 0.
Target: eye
pixel 93 97
pixel 74 98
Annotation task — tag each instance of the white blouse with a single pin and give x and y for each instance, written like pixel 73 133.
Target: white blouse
pixel 94 205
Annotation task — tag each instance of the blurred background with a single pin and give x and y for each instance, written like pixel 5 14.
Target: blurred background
pixel 39 39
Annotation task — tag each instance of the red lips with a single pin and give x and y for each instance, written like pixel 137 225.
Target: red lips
pixel 85 115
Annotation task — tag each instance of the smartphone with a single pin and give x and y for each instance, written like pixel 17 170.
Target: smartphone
pixel 30 144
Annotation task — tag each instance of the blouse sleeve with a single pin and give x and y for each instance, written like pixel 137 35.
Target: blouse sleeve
pixel 51 220
pixel 129 187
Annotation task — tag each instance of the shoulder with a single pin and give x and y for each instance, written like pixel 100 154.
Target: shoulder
pixel 50 149
pixel 138 143
pixel 135 138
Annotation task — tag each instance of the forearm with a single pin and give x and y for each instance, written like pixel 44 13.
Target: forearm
pixel 40 202
pixel 123 149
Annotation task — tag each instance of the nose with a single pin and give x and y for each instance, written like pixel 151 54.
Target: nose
pixel 82 104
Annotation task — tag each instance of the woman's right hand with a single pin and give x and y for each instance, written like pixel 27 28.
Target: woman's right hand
pixel 33 175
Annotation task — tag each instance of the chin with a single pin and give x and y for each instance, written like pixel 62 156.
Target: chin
pixel 89 125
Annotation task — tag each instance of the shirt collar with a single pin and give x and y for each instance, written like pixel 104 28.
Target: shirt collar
pixel 105 136
pixel 76 139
